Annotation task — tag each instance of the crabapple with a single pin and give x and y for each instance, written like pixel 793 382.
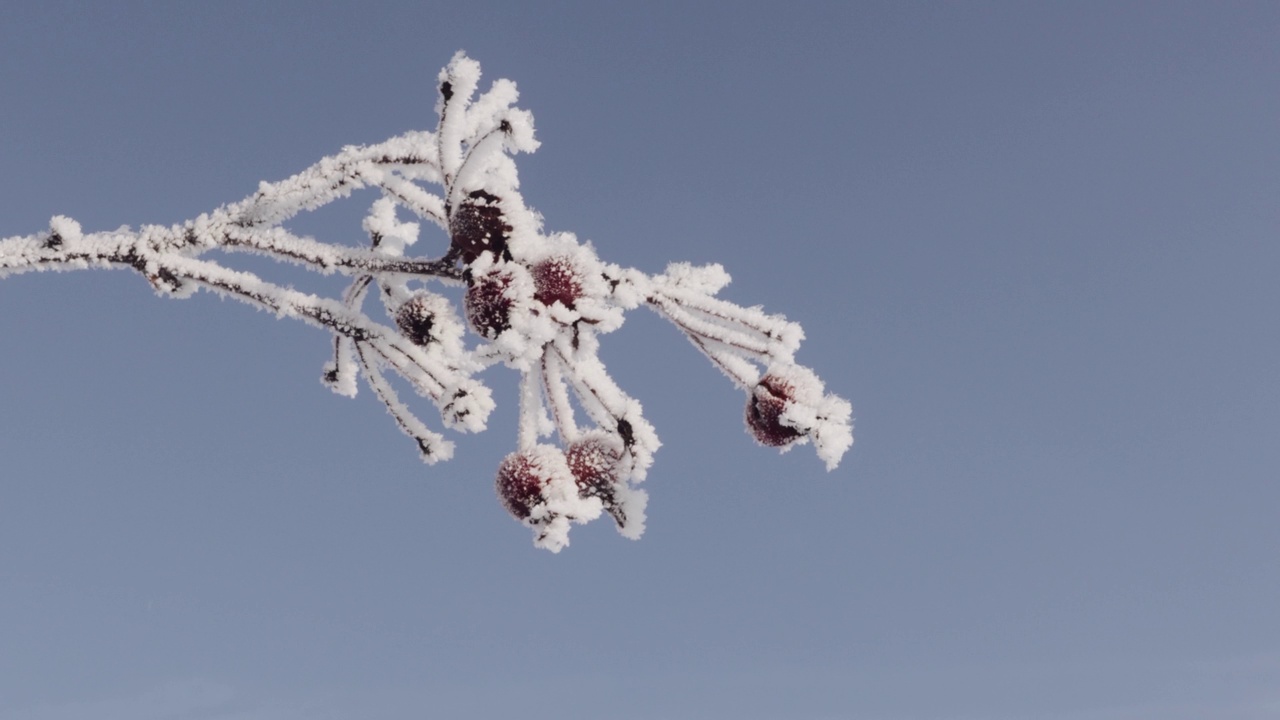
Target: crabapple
pixel 767 402
pixel 556 280
pixel 520 484
pixel 478 225
pixel 531 484
pixel 488 304
pixel 593 462
pixel 415 318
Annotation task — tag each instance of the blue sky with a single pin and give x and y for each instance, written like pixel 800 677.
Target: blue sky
pixel 1034 244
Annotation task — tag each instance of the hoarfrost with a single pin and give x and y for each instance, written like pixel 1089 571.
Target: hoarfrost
pixel 536 302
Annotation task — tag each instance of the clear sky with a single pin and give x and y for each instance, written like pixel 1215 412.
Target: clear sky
pixel 1034 244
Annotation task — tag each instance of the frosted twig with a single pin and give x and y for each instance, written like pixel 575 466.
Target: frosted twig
pixel 431 445
pixel 536 301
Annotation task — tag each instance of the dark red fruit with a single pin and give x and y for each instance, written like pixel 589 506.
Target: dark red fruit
pixel 593 462
pixel 556 280
pixel 478 225
pixel 415 318
pixel 765 406
pixel 520 484
pixel 488 304
pixel 594 465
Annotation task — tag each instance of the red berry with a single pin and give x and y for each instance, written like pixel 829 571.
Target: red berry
pixel 415 318
pixel 556 280
pixel 478 225
pixel 593 462
pixel 488 304
pixel 765 406
pixel 520 484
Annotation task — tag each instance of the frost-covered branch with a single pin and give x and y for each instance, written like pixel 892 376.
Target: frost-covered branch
pixel 536 302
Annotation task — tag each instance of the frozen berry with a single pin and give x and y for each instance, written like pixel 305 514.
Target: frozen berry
pixel 593 461
pixel 525 480
pixel 556 280
pixel 488 303
pixel 520 484
pixel 765 406
pixel 415 318
pixel 478 225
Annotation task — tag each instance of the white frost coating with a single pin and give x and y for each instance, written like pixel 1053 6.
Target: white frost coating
pixel 432 446
pixel 633 501
pixel 457 82
pixel 393 236
pixel 705 279
pixel 424 204
pixel 553 299
pixel 340 373
pixel 65 228
pixel 833 431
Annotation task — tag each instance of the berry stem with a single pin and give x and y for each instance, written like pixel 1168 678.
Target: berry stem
pixel 420 202
pixel 480 147
pixel 611 408
pixel 531 411
pixel 558 397
pixel 740 371
pixel 717 331
pixel 342 377
pixel 433 446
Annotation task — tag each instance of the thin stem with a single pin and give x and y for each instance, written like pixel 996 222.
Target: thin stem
pixel 281 244
pixel 770 329
pixel 340 376
pixel 466 160
pixel 558 397
pixel 433 446
pixel 530 412
pixel 742 373
pixel 693 326
pixel 420 202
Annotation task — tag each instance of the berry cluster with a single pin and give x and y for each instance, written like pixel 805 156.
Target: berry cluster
pixel 536 301
pixel 547 488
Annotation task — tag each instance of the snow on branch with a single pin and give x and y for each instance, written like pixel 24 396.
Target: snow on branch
pixel 533 301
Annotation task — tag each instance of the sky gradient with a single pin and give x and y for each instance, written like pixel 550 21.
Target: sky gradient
pixel 1034 244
